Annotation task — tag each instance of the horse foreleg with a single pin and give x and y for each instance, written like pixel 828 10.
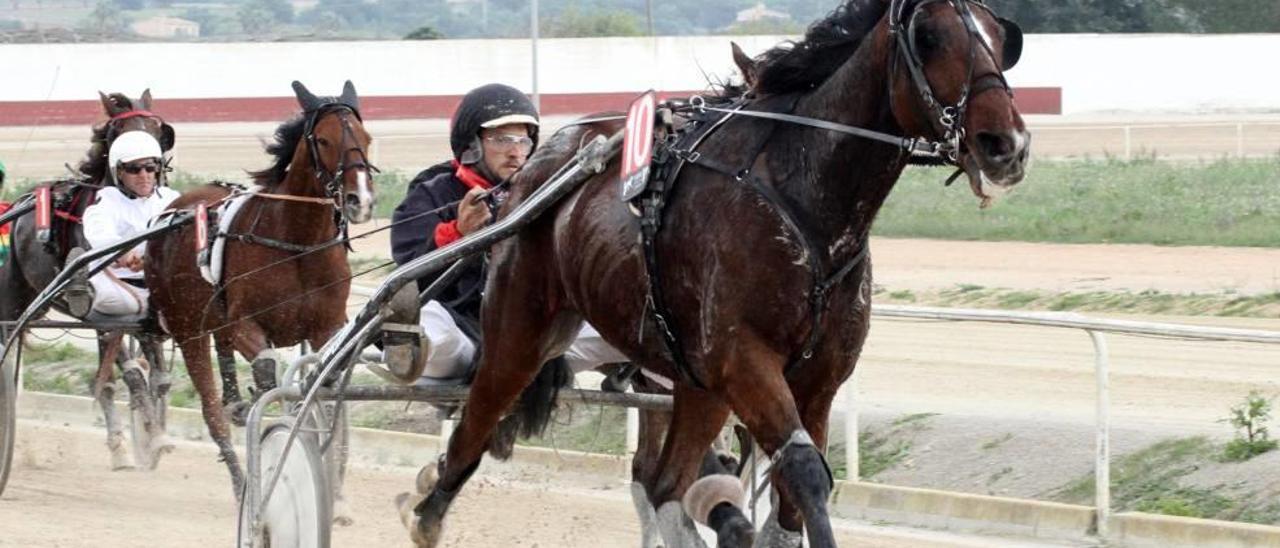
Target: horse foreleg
pixel 104 391
pixel 196 352
pixel 761 397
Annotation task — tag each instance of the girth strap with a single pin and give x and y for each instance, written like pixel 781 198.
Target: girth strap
pixel 280 244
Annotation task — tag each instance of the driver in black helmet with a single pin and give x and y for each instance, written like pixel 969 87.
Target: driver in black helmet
pixel 494 130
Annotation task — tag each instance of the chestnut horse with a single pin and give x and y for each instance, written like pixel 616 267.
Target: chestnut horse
pixel 35 262
pixel 765 277
pixel 285 279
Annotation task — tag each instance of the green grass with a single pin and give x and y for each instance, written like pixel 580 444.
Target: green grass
pixel 1228 202
pixel 1149 481
pixel 55 353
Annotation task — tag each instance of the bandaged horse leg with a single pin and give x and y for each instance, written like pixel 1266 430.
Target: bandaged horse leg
pixel 104 391
pixel 134 372
pixel 763 400
pixel 232 402
pixel 802 477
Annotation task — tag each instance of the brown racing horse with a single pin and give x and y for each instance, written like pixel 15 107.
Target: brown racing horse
pixel 35 262
pixel 285 277
pixel 765 278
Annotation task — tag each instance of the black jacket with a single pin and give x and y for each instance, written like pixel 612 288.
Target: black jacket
pixel 435 187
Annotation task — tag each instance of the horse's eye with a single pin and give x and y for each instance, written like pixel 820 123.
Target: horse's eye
pixel 322 141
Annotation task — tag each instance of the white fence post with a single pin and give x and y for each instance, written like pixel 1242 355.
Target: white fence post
pixel 1240 140
pixel 1128 143
pixel 852 464
pixel 633 430
pixel 1102 466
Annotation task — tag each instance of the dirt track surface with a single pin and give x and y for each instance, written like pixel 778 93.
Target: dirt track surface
pixel 62 495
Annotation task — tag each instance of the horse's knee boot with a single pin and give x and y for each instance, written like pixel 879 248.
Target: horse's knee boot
pixel 265 365
pixel 802 474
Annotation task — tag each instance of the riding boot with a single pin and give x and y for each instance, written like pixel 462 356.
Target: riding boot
pixel 78 294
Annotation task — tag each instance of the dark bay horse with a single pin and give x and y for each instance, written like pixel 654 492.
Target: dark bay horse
pixel 34 263
pixel 763 251
pixel 284 280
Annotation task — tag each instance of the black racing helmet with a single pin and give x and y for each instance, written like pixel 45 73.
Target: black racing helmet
pixel 489 106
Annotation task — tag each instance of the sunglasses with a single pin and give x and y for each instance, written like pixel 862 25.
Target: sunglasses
pixel 136 169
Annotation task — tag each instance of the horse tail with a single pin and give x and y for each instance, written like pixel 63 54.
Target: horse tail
pixel 532 413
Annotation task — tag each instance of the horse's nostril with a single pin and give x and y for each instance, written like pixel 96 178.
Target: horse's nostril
pixel 996 146
pixel 353 198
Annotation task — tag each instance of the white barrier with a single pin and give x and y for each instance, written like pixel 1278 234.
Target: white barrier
pixel 1095 328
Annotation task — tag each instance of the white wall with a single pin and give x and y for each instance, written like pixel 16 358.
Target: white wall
pixel 1098 73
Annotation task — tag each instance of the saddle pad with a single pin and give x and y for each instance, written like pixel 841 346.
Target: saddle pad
pixel 211 269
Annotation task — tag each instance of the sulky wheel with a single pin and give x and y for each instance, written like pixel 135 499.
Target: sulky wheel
pixel 8 411
pixel 298 513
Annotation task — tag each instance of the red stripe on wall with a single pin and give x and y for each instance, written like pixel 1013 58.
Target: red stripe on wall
pixel 272 109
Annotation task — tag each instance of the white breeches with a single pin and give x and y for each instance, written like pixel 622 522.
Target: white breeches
pixel 451 350
pixel 116 298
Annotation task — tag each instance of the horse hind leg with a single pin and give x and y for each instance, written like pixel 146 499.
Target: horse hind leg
pixel 232 403
pixel 196 352
pixel 104 391
pixel 653 426
pixel 507 365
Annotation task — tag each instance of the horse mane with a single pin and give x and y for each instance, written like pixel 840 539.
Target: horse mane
pixel 282 148
pixel 94 164
pixel 804 65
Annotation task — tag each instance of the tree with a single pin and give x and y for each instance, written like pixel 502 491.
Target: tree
pixel 107 19
pixel 424 33
pixel 574 24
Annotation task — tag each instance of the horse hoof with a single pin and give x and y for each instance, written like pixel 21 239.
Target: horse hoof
pixel 405 503
pixel 160 446
pixel 121 459
pixel 237 412
pixel 427 478
pixel 342 514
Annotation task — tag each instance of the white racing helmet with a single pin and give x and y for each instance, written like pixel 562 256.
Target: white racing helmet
pixel 130 146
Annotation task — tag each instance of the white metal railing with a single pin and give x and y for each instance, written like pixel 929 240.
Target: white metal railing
pixel 1096 328
pixel 1197 134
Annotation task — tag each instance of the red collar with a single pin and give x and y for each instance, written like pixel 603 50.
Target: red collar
pixel 470 177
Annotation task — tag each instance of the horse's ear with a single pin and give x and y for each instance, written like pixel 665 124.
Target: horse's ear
pixel 108 105
pixel 1012 42
pixel 745 64
pixel 307 100
pixel 144 102
pixel 349 97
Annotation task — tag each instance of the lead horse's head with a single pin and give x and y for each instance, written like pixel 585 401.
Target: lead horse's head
pixel 947 85
pixel 123 115
pixel 338 145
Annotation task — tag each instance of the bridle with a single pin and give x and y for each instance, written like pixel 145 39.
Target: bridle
pixel 947 121
pixel 332 180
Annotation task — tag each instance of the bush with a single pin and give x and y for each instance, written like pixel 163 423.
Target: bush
pixel 1249 418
